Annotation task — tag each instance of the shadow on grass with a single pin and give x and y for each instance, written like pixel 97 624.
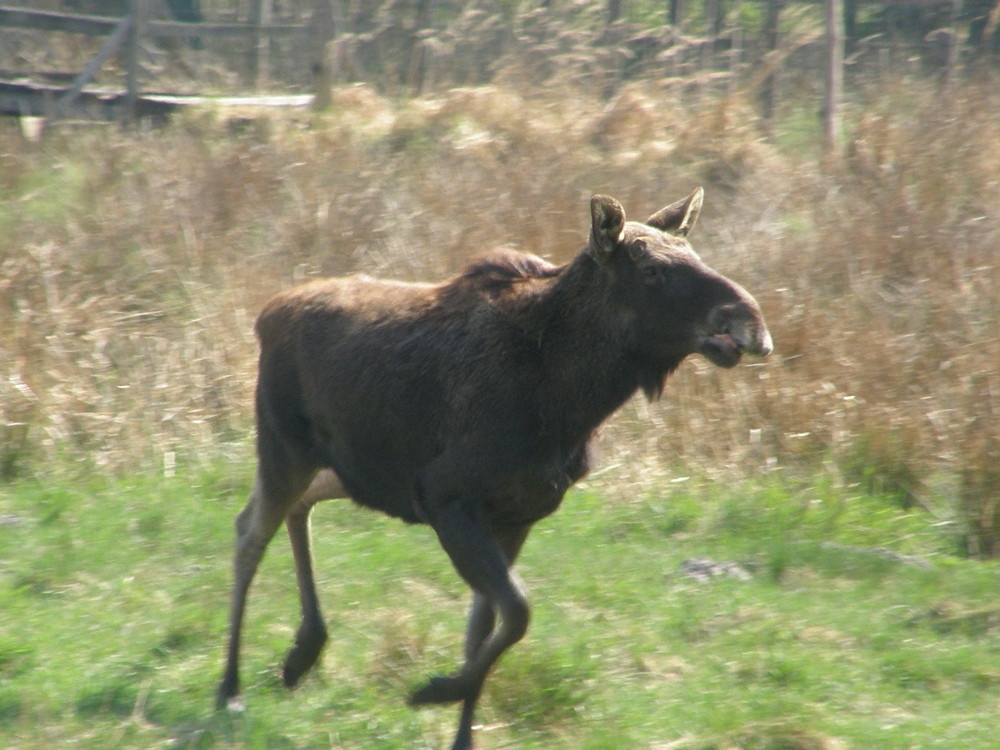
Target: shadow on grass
pixel 763 736
pixel 224 728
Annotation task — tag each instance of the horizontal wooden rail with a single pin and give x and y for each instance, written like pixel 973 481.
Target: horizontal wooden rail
pixel 244 30
pixel 45 21
pixel 102 26
pixel 125 35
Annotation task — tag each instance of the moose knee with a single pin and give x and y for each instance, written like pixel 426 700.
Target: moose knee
pixel 243 520
pixel 516 614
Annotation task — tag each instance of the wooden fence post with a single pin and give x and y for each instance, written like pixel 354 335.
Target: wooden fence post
pixel 260 49
pixel 138 10
pixel 834 79
pixel 321 31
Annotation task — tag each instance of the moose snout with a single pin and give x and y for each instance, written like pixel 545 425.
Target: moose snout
pixel 734 330
pixel 749 333
pixel 757 341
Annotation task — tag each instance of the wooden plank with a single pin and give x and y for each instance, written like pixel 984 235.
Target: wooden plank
pixel 273 100
pixel 232 30
pixel 75 24
pixel 31 99
pixel 35 99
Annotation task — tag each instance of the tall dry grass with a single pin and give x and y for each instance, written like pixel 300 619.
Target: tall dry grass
pixel 132 265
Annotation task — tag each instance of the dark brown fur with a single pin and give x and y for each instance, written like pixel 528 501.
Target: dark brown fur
pixel 469 406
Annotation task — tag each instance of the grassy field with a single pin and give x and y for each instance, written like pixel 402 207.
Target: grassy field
pixel 133 264
pixel 856 627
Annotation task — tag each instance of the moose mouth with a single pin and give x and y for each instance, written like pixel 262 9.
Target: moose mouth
pixel 721 350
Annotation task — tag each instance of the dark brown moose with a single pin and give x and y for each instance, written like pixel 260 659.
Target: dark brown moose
pixel 469 406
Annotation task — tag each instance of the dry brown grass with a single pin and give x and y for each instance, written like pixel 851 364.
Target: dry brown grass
pixel 133 265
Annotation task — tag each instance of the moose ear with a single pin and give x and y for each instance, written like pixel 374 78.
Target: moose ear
pixel 678 218
pixel 607 219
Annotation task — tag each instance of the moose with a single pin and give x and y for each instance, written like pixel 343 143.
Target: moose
pixel 469 406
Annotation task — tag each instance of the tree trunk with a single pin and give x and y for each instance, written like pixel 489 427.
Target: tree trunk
pixel 951 39
pixel 675 13
pixel 715 16
pixel 834 79
pixel 769 86
pixel 850 24
pixel 614 11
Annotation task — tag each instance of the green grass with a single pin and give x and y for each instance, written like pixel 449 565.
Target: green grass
pixel 113 599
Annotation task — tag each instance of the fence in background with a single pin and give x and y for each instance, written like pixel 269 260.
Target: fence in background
pixel 125 37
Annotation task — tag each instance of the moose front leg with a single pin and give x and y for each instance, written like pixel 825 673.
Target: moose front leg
pixel 483 558
pixel 482 616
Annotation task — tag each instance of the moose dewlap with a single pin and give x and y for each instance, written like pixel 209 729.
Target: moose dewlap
pixel 469 406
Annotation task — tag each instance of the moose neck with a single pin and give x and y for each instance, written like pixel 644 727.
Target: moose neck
pixel 588 352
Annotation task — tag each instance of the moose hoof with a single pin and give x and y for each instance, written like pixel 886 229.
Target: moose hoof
pixel 303 656
pixel 229 701
pixel 227 694
pixel 298 663
pixel 440 690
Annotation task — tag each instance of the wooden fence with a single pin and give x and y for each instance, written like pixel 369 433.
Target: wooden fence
pixel 402 54
pixel 126 36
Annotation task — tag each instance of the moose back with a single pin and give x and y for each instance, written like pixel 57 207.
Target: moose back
pixel 469 406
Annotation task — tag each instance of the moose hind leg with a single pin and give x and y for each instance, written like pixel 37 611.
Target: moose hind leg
pixel 256 525
pixel 311 635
